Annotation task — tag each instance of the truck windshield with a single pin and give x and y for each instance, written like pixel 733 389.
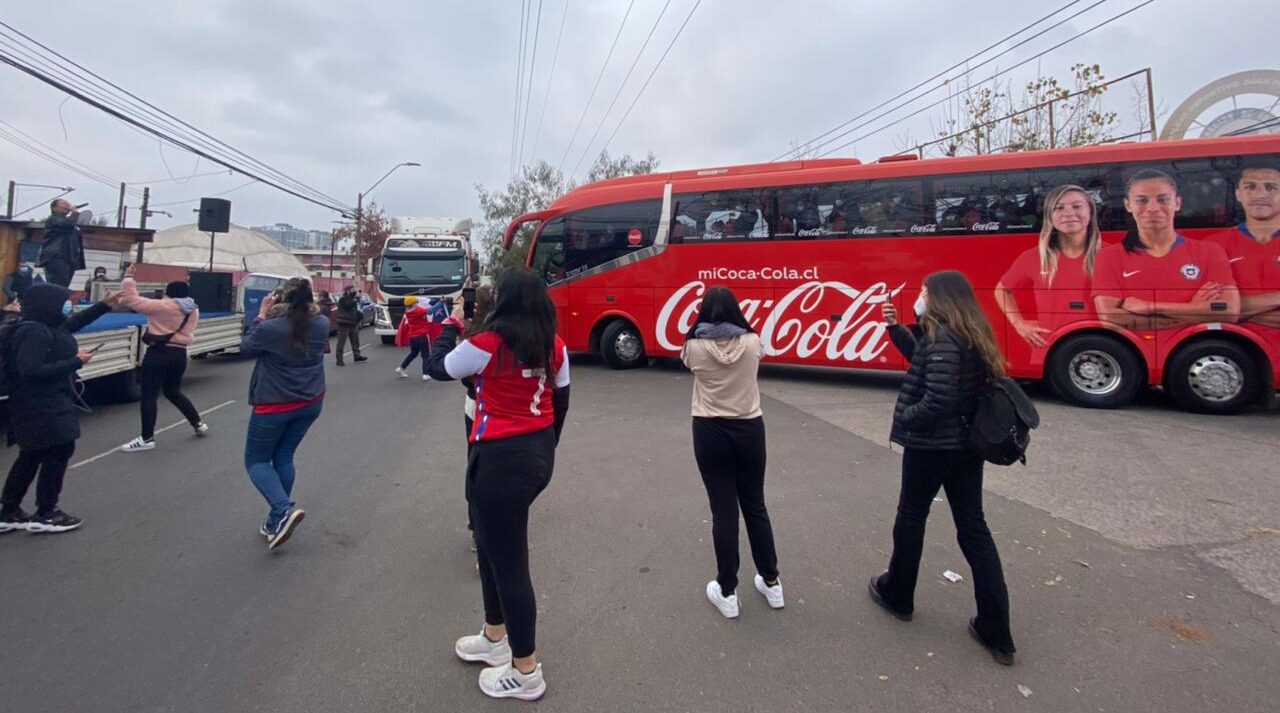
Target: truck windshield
pixel 423 270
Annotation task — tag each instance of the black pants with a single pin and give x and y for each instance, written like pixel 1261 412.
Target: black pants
pixel 162 370
pixel 731 457
pixel 503 479
pixel 58 272
pixel 346 332
pixel 51 463
pixel 418 345
pixel 960 473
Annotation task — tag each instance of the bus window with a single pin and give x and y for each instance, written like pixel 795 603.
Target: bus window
pixel 986 202
pixel 596 236
pixel 885 208
pixel 548 255
pixel 724 215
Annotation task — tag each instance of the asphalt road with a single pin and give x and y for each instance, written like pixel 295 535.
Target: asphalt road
pixel 1140 549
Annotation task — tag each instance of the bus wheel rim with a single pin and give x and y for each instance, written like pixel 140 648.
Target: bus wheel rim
pixel 1095 372
pixel 627 345
pixel 1215 378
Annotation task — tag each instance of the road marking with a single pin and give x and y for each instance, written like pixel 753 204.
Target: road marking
pixel 104 454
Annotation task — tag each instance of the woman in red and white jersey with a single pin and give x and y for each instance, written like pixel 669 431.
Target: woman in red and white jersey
pixel 521 373
pixel 1059 269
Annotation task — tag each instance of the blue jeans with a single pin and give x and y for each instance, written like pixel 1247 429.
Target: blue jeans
pixel 268 455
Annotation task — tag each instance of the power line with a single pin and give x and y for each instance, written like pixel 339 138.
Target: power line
pixel 546 98
pixel 194 200
pixel 1036 56
pixel 223 172
pixel 596 86
pixel 651 75
pixel 1263 125
pixel 528 85
pixel 799 149
pixel 587 149
pixel 58 160
pixel 515 116
pixel 130 105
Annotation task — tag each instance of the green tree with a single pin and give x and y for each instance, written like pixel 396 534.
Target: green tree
pixel 533 189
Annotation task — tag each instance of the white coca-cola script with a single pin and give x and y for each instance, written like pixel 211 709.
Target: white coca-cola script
pixel 799 322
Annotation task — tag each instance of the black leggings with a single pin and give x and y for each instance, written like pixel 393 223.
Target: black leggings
pixel 731 457
pixel 418 345
pixel 162 370
pixel 960 473
pixel 504 477
pixel 52 465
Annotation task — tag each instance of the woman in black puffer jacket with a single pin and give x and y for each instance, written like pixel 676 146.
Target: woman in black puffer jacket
pixel 952 353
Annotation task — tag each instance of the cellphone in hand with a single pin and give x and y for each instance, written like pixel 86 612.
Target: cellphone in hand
pixel 469 302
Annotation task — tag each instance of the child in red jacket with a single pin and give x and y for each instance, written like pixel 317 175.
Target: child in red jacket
pixel 418 328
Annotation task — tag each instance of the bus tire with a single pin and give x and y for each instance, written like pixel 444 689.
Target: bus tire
pixel 126 387
pixel 1095 371
pixel 388 340
pixel 622 346
pixel 1212 376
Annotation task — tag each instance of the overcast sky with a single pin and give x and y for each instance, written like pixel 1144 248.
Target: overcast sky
pixel 335 96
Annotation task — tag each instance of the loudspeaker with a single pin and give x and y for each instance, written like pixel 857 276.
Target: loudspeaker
pixel 212 291
pixel 215 215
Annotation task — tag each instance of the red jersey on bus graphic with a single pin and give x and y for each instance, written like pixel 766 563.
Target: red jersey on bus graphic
pixel 511 399
pixel 1255 266
pixel 1067 299
pixel 1175 277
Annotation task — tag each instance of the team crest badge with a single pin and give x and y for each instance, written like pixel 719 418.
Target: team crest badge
pixel 1191 271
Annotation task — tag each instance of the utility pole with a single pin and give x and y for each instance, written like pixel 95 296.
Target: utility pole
pixel 13 190
pixel 142 222
pixel 356 270
pixel 120 209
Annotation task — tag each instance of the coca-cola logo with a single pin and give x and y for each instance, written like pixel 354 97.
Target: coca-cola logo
pixel 799 323
pixel 985 227
pixel 865 230
pixel 810 232
pixel 927 228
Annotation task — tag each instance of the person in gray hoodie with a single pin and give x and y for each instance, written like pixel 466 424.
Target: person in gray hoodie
pixel 287 393
pixel 723 352
pixel 171 327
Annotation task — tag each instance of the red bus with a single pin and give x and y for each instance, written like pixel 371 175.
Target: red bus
pixel 812 249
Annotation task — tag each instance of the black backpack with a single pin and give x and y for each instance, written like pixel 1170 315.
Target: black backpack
pixel 1001 428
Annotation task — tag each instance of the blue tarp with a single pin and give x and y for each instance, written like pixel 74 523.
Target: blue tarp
pixel 119 320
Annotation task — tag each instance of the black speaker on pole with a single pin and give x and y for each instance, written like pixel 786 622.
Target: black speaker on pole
pixel 215 215
pixel 212 291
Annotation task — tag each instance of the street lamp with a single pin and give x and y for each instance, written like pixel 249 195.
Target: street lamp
pixel 359 214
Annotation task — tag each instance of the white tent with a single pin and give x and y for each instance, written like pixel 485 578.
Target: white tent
pixel 240 249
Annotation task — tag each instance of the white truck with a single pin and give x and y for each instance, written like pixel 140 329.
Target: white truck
pixel 424 257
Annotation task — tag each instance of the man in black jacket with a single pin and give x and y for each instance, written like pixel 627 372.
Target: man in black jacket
pixel 43 360
pixel 348 321
pixel 63 250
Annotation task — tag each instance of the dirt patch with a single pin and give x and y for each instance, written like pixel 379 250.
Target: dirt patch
pixel 1186 631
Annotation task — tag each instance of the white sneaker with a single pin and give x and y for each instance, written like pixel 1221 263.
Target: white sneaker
pixel 772 594
pixel 728 606
pixel 202 429
pixel 506 682
pixel 138 444
pixel 481 648
pixel 403 374
pixel 426 378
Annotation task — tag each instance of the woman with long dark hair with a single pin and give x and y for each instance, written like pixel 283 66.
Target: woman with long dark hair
pixel 287 393
pixel 723 352
pixel 521 372
pixel 1059 269
pixel 953 354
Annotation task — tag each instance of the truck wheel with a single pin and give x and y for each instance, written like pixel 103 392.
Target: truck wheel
pixel 126 387
pixel 1095 371
pixel 622 346
pixel 1212 376
pixel 389 341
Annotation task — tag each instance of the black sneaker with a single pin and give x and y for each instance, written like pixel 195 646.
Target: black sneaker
pixel 285 528
pixel 54 521
pixel 1002 657
pixel 873 589
pixel 12 521
pixel 360 358
pixel 339 363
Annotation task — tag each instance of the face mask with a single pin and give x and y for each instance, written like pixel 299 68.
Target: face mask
pixel 920 306
pixel 66 308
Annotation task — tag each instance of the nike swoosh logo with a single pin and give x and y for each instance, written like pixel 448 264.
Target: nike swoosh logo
pixel 1131 274
pixel 1235 259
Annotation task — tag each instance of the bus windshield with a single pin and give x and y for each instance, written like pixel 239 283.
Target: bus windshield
pixel 424 270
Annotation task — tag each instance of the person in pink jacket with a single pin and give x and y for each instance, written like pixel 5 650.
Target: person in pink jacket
pixel 171 327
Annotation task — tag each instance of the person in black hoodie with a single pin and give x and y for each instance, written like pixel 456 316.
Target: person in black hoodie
pixel 953 354
pixel 44 358
pixel 63 250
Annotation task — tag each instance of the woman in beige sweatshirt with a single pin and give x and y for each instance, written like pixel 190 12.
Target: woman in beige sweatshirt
pixel 729 444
